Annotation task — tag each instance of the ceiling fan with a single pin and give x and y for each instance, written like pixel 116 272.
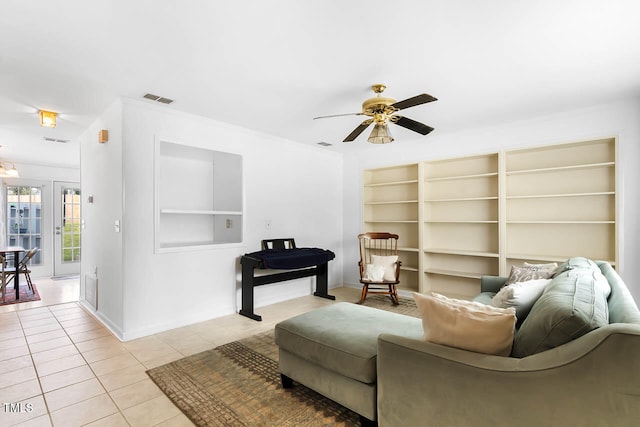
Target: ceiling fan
pixel 382 111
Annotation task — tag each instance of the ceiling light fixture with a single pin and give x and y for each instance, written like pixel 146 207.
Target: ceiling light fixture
pixel 8 172
pixel 380 134
pixel 48 119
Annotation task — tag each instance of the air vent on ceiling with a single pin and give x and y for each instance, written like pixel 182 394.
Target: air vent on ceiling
pixel 50 139
pixel 157 98
pixel 324 144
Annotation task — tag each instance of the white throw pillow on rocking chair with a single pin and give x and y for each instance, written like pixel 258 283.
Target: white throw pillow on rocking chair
pixel 373 273
pixel 389 265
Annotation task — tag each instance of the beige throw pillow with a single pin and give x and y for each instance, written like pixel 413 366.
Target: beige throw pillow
pixel 467 325
pixel 389 264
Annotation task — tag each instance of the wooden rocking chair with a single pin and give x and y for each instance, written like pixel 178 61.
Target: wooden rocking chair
pixel 379 264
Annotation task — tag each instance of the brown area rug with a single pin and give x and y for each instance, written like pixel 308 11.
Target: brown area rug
pixel 238 384
pixel 25 295
pixel 407 306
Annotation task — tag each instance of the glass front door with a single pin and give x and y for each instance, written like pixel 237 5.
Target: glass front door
pixel 67 223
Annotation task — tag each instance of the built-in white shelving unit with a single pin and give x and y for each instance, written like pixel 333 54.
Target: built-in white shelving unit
pixel 461 218
pixel 461 233
pixel 198 198
pixel 391 203
pixel 560 200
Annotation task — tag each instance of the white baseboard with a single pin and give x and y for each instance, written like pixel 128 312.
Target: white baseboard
pixel 102 319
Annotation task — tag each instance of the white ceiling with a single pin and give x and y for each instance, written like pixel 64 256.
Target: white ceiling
pixel 274 65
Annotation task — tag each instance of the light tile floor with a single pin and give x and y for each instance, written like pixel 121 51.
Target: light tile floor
pixel 59 366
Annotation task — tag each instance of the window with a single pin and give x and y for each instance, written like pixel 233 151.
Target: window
pixel 24 218
pixel 71 225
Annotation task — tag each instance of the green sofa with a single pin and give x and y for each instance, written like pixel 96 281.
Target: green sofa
pixel 333 350
pixel 590 380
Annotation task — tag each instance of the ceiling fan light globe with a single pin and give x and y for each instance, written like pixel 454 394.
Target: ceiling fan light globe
pixel 380 134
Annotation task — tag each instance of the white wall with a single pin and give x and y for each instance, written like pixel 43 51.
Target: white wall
pixel 48 172
pixel 621 119
pixel 101 177
pixel 297 188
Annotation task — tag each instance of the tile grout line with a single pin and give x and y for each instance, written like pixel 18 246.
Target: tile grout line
pixel 92 371
pixel 33 362
pixel 49 412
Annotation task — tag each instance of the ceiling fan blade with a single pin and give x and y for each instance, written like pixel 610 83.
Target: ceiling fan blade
pixel 412 102
pixel 338 115
pixel 357 131
pixel 411 124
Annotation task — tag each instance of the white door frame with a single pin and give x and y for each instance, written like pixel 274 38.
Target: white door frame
pixel 60 267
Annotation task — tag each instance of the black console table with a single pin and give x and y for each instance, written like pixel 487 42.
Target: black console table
pixel 282 254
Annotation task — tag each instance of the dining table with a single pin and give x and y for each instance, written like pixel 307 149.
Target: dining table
pixel 15 250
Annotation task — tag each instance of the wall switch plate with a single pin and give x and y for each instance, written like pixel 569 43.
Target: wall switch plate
pixel 267 224
pixel 229 223
pixel 116 226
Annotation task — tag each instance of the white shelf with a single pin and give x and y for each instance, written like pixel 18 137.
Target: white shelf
pixel 384 184
pixel 453 178
pixel 461 199
pixel 390 221
pixel 576 222
pixel 461 252
pixel 402 267
pixel 453 273
pixel 393 202
pixel 460 222
pixel 545 196
pixel 408 250
pixel 198 212
pixel 561 168
pixel 186 244
pixel 547 258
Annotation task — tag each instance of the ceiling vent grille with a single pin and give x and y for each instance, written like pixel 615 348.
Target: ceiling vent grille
pixel 50 139
pixel 157 98
pixel 324 144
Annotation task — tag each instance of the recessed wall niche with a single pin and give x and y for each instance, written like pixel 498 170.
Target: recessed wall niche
pixel 198 197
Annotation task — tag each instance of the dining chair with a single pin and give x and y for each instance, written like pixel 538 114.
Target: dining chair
pixel 3 278
pixel 23 268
